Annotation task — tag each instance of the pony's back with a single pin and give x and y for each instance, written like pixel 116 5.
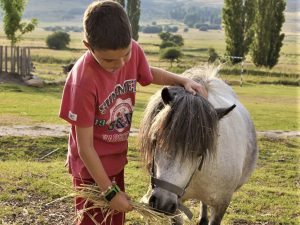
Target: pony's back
pixel 236 130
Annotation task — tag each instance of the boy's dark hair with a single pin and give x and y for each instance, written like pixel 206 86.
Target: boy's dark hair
pixel 106 26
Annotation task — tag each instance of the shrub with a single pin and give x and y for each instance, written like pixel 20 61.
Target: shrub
pixel 171 54
pixel 173 29
pixel 213 55
pixel 167 44
pixel 203 28
pixel 58 40
pixel 152 29
pixel 167 37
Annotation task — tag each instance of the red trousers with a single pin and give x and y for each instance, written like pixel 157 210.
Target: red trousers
pixel 116 219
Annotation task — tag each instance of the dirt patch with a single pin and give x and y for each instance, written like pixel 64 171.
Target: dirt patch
pixel 41 130
pixel 6 120
pixel 34 210
pixel 279 134
pixel 244 222
pixel 63 130
pixel 35 131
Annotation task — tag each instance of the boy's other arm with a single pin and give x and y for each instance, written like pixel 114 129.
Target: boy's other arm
pixel 94 165
pixel 163 77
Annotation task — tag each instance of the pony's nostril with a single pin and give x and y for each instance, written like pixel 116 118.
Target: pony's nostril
pixel 173 208
pixel 153 201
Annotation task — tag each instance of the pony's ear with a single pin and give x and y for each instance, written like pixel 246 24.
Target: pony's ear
pixel 167 96
pixel 221 112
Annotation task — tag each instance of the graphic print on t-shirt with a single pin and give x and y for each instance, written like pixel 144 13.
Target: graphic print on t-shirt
pixel 120 119
pixel 120 115
pixel 115 112
pixel 129 86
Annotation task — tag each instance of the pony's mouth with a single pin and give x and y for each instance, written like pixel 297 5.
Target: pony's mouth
pixel 162 211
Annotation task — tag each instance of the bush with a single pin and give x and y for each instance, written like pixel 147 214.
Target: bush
pixel 167 37
pixel 213 55
pixel 171 54
pixel 173 29
pixel 58 40
pixel 167 44
pixel 152 29
pixel 203 28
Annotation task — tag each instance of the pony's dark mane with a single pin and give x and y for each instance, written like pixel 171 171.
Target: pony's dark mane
pixel 187 127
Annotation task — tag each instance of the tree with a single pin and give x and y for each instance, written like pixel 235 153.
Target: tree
pixel 268 39
pixel 170 40
pixel 122 2
pixel 133 12
pixel 177 39
pixel 213 55
pixel 165 36
pixel 58 40
pixel 152 29
pixel 238 18
pixel 13 27
pixel 171 54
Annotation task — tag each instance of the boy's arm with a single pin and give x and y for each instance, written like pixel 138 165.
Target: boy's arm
pixel 94 165
pixel 164 77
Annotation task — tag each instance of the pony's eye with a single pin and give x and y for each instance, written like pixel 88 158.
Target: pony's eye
pixel 154 141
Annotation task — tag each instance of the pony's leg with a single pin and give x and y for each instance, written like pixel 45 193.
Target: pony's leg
pixel 203 214
pixel 217 214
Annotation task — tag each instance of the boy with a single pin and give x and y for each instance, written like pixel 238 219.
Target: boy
pixel 98 101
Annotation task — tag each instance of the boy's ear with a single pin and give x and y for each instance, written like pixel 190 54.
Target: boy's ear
pixel 86 44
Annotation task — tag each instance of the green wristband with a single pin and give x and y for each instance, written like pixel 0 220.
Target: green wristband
pixel 111 192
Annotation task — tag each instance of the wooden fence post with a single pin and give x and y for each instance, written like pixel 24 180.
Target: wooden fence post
pixel 21 63
pixel 1 51
pixel 15 60
pixel 28 62
pixel 18 60
pixel 5 55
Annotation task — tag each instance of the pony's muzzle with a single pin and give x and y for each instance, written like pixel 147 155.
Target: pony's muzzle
pixel 163 201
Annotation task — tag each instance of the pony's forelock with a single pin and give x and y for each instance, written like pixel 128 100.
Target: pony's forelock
pixel 186 128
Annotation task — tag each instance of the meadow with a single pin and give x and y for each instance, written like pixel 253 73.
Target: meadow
pixel 28 182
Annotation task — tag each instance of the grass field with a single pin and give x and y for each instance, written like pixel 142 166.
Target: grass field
pixel 271 196
pixel 25 105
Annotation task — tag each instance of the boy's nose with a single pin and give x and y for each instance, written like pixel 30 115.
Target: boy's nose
pixel 120 63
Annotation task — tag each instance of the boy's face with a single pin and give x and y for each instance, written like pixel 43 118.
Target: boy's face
pixel 112 60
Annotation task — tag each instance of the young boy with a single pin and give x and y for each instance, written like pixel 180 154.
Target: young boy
pixel 98 101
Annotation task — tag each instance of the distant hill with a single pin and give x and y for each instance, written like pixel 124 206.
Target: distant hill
pixel 71 11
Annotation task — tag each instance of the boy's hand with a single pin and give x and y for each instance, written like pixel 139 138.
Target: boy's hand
pixel 120 203
pixel 195 88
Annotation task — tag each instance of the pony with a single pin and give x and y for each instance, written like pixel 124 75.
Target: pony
pixel 197 148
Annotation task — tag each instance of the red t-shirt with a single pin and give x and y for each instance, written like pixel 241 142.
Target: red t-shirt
pixel 94 97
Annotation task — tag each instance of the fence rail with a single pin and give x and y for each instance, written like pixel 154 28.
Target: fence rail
pixel 14 59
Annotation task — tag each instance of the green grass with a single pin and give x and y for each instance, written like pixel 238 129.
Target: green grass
pixel 25 105
pixel 26 148
pixel 272 107
pixel 270 197
pixel 273 188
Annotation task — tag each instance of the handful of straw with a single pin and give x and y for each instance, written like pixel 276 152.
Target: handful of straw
pixel 92 194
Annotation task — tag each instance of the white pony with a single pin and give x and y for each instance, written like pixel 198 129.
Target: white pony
pixel 197 148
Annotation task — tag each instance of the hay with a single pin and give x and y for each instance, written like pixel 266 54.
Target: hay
pixel 92 194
